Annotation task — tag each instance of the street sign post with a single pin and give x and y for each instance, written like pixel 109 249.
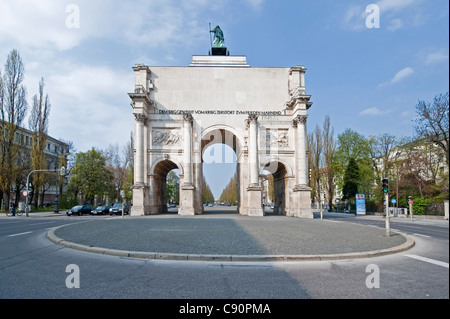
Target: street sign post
pixel 388 225
pixel 360 204
pixel 25 193
pixel 122 194
pixel 410 202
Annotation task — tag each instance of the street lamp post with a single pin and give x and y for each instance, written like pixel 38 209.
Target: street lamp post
pixel 62 172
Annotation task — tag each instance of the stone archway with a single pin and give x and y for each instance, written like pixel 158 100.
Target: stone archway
pixel 280 176
pixel 261 113
pixel 220 134
pixel 158 183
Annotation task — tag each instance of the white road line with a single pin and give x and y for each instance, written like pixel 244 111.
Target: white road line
pixel 428 260
pixel 28 232
pixel 421 235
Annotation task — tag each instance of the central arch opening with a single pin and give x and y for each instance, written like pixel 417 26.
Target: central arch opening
pixel 220 165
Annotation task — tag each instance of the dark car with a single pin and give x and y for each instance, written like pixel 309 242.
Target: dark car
pixel 101 210
pixel 79 210
pixel 117 209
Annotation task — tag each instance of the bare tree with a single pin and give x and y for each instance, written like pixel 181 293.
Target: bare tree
pixel 38 124
pixel 382 147
pixel 117 164
pixel 432 122
pixel 315 155
pixel 13 108
pixel 329 147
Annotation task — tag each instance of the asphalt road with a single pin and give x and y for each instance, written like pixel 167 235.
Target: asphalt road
pixel 32 267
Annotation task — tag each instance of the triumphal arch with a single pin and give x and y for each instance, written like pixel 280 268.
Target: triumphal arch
pixel 260 112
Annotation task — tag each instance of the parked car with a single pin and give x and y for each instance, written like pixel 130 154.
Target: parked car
pixel 79 210
pixel 117 209
pixel 101 210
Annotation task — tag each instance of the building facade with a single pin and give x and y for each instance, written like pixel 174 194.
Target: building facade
pixel 53 149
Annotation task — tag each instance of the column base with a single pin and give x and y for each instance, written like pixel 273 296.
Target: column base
pixel 301 202
pixel 254 201
pixel 187 206
pixel 140 199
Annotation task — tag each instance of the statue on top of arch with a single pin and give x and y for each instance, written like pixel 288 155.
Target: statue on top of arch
pixel 218 40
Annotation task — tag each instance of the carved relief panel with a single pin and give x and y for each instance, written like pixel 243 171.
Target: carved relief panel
pixel 166 137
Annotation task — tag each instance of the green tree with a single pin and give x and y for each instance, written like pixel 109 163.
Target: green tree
pixel 90 176
pixel 354 145
pixel 172 187
pixel 208 196
pixel 229 194
pixel 351 180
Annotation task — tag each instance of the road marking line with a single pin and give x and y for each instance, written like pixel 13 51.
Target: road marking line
pixel 428 260
pixel 28 232
pixel 421 235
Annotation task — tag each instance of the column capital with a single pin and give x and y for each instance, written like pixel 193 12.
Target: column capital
pixel 252 118
pixel 187 117
pixel 299 119
pixel 139 117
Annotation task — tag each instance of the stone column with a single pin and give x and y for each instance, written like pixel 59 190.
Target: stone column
pixel 254 190
pixel 302 158
pixel 140 189
pixel 253 149
pixel 187 189
pixel 187 157
pixel 140 150
pixel 301 205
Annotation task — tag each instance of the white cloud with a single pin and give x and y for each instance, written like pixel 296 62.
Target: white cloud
pixel 90 106
pixel 355 16
pixel 42 24
pixel 373 111
pixel 394 5
pixel 400 75
pixel 437 57
pixel 395 24
pixel 256 4
pixel 35 24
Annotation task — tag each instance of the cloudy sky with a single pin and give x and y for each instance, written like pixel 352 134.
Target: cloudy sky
pixel 365 75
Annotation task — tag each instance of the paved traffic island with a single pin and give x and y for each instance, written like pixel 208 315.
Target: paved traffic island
pixel 229 238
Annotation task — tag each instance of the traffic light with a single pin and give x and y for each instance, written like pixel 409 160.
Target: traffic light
pixel 385 183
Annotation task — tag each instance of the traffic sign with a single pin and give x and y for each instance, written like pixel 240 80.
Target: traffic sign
pixel 393 201
pixel 25 193
pixel 410 202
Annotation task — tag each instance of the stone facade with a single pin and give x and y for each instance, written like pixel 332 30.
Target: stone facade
pixel 261 113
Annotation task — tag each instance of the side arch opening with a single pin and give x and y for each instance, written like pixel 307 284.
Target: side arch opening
pixel 275 188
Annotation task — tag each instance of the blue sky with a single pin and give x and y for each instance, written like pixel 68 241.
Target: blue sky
pixel 366 79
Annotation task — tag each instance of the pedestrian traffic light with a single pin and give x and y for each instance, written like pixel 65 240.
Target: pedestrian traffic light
pixel 385 183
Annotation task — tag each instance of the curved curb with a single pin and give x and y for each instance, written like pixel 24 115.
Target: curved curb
pixel 228 258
